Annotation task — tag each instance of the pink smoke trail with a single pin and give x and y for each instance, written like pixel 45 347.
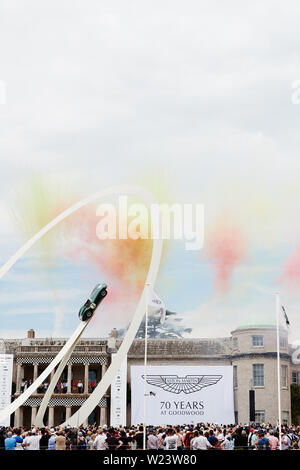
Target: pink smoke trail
pixel 226 248
pixel 291 269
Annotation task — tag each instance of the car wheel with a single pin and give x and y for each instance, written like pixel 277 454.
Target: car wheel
pixel 103 293
pixel 89 314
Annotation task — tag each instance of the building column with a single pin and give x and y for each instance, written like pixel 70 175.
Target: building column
pixel 103 415
pixel 86 378
pixel 18 417
pixel 51 376
pixel 33 414
pixel 69 379
pixel 35 371
pixel 104 367
pixel 19 378
pixel 68 412
pixel 51 416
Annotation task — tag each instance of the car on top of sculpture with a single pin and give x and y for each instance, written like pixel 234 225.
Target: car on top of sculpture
pixel 96 297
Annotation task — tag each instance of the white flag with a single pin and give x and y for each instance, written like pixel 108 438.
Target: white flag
pixel 155 302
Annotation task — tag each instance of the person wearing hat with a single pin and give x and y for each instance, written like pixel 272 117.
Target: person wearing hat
pixel 51 442
pixel 10 442
pixel 152 440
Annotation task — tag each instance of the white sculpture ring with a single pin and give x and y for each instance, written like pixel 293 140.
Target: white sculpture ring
pixel 94 399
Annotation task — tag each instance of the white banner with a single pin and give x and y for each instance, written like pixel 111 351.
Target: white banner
pixel 183 394
pixel 6 369
pixel 118 401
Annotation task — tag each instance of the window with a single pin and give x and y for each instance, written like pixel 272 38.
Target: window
pixel 283 342
pixel 260 416
pixel 285 417
pixel 258 375
pixel 235 343
pixel 284 376
pixel 257 341
pixel 295 377
pixel 235 379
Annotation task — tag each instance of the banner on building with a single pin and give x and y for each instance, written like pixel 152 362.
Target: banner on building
pixel 118 400
pixel 6 369
pixel 182 395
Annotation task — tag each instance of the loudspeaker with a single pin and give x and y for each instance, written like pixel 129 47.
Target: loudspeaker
pixel 251 405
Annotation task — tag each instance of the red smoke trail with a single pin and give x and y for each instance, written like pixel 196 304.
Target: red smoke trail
pixel 291 270
pixel 226 246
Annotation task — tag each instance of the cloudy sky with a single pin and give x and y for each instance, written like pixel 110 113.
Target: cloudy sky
pixel 195 97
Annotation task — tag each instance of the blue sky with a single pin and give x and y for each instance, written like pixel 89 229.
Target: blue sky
pixel 99 93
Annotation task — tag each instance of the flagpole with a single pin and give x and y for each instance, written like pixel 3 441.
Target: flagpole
pixel 278 366
pixel 145 364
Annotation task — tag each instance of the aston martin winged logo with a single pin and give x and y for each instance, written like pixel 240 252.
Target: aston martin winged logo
pixel 187 384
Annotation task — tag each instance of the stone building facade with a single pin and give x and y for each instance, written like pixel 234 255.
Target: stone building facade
pixel 250 350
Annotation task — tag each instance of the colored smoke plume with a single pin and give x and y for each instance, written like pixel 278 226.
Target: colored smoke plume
pixel 291 270
pixel 123 264
pixel 226 249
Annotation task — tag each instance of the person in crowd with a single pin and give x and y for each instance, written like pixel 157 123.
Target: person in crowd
pixel 81 442
pixel 74 386
pixel 45 436
pixel 126 440
pixel 33 441
pixel 188 436
pixel 10 442
pixel 228 443
pixel 23 383
pixel 152 440
pixel 273 440
pixel 199 441
pixel 113 441
pixel 93 385
pixel 133 440
pixel 240 439
pixel 51 441
pixel 285 441
pixel 139 437
pixel 60 441
pixel 80 386
pixel 213 440
pixel 263 441
pixel 179 437
pixel 100 441
pixel 18 438
pixel 170 441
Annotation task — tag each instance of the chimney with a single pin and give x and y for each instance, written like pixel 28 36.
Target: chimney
pixel 30 334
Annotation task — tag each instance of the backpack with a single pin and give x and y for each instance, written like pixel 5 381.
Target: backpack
pixel 266 444
pixel 187 438
pixel 82 443
pixel 294 442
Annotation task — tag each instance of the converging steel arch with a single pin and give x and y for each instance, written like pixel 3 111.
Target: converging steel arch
pixel 94 399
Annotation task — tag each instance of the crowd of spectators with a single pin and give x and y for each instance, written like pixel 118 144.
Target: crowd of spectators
pixel 202 436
